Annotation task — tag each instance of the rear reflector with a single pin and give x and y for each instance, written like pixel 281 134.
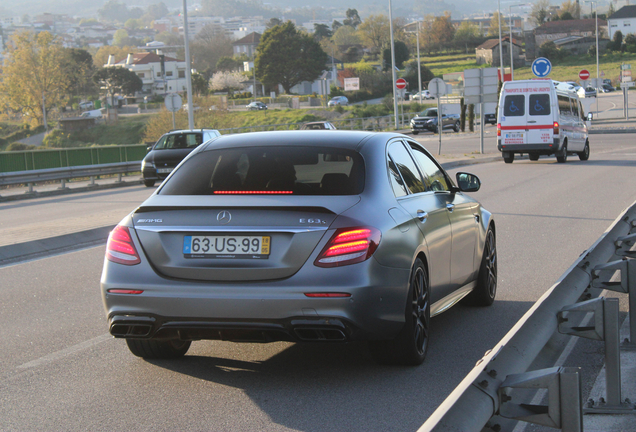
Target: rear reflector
pixel 124 291
pixel 120 247
pixel 328 295
pixel 349 246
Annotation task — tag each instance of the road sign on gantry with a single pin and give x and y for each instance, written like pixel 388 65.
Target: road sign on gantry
pixel 584 75
pixel 541 67
pixel 400 83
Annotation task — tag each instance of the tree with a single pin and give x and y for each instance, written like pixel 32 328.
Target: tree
pixel 79 66
pixel 401 55
pixel 375 32
pixel 572 7
pixel 33 70
pixel 208 46
pixel 345 36
pixel 288 57
pixel 273 22
pixel 118 80
pixel 426 34
pixel 226 81
pixel 630 43
pixel 550 51
pixel 617 42
pixel 115 11
pixel 566 16
pixel 120 38
pixel 353 19
pixel 156 11
pixel 467 34
pixel 443 31
pixel 493 30
pixel 411 75
pixel 199 84
pixel 228 63
pixel 169 38
pixel 335 25
pixel 322 31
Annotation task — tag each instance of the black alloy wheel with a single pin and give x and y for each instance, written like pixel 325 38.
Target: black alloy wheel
pixel 410 346
pixel 486 289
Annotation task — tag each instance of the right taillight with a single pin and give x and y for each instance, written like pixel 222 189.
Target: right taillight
pixel 555 128
pixel 120 247
pixel 349 246
pixel 498 129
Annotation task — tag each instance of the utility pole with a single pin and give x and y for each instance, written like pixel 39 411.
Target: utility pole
pixel 393 75
pixel 188 66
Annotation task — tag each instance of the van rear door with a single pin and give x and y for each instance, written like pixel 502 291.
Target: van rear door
pixel 540 117
pixel 513 115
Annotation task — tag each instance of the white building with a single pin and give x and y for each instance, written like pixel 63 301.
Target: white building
pixel 624 20
pixel 159 74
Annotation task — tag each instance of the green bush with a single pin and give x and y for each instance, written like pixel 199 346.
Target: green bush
pixel 16 146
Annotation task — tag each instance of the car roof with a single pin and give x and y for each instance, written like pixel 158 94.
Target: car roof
pixel 180 131
pixel 302 138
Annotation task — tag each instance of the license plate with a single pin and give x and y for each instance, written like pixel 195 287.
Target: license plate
pixel 164 170
pixel 513 138
pixel 228 247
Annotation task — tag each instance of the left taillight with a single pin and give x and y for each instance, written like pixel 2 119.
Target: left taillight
pixel 349 246
pixel 120 247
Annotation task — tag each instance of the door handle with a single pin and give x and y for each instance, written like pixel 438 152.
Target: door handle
pixel 532 121
pixel 450 207
pixel 422 215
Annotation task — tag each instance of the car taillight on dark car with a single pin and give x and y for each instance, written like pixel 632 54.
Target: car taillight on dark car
pixel 349 246
pixel 120 247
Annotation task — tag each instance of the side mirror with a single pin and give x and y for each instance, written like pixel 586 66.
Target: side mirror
pixel 589 117
pixel 467 182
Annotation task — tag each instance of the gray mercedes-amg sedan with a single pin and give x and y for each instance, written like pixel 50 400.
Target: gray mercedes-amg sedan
pixel 299 236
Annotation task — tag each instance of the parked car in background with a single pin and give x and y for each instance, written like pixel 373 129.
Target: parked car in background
pixel 424 96
pixel 427 121
pixel 169 151
pixel 318 125
pixel 86 105
pixel 607 88
pixel 590 92
pixel 300 236
pixel 92 114
pixel 256 106
pixel 338 100
pixel 490 118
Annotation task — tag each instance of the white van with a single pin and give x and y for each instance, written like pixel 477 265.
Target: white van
pixel 536 118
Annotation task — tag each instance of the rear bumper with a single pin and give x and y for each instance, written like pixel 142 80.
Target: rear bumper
pixel 545 149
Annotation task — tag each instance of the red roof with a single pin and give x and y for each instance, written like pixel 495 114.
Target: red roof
pixel 491 43
pixel 251 39
pixel 147 57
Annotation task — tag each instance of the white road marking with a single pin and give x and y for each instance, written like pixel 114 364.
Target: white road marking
pixel 66 352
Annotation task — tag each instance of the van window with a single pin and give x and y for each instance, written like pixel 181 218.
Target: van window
pixel 581 113
pixel 575 107
pixel 514 106
pixel 564 105
pixel 539 104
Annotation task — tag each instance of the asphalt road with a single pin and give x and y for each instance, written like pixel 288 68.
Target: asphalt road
pixel 59 369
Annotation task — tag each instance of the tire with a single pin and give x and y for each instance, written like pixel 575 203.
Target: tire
pixel 456 127
pixel 585 154
pixel 410 346
pixel 158 349
pixel 533 156
pixel 435 130
pixel 486 290
pixel 149 183
pixel 508 157
pixel 415 132
pixel 563 157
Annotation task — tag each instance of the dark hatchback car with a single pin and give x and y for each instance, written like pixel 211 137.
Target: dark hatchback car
pixel 318 125
pixel 256 106
pixel 301 236
pixel 169 150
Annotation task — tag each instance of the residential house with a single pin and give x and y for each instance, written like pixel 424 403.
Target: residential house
pixel 559 30
pixel 624 20
pixel 488 52
pixel 160 74
pixel 247 45
pixel 331 75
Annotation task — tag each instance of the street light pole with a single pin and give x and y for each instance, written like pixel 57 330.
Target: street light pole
pixel 419 65
pixel 501 68
pixel 593 2
pixel 188 66
pixel 393 75
pixel 512 61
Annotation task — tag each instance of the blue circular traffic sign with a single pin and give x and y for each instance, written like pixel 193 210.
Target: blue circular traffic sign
pixel 541 67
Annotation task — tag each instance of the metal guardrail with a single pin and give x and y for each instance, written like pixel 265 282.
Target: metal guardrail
pixel 485 391
pixel 64 174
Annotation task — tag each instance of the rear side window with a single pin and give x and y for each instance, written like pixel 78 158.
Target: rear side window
pixel 564 105
pixel 539 104
pixel 180 141
pixel 514 105
pixel 407 167
pixel 269 171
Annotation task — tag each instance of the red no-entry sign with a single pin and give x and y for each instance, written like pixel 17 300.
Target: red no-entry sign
pixel 400 83
pixel 584 74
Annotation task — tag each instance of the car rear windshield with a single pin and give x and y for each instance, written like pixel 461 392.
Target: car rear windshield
pixel 179 141
pixel 270 171
pixel 540 104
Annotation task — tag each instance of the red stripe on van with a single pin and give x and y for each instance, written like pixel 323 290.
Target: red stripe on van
pixel 524 127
